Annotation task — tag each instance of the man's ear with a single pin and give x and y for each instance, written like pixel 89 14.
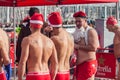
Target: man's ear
pixel 85 20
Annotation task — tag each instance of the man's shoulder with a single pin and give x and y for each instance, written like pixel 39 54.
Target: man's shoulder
pixel 3 31
pixel 92 30
pixel 47 41
pixel 55 38
pixel 45 38
pixel 26 39
pixel 70 35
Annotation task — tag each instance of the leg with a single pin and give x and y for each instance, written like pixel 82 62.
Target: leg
pixel 118 76
pixel 74 78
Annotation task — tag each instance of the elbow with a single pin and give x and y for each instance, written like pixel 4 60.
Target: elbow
pixel 93 48
pixel 56 63
pixel 56 68
pixel 22 63
pixel 6 62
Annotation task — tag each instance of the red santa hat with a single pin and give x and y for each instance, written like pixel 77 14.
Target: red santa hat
pixel 26 19
pixel 80 14
pixel 55 19
pixel 37 20
pixel 111 21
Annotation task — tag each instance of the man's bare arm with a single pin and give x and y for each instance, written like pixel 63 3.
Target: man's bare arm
pixel 23 59
pixel 72 43
pixel 118 34
pixel 93 42
pixel 53 64
pixel 4 53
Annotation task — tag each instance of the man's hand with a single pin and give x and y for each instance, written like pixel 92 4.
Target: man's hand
pixel 48 29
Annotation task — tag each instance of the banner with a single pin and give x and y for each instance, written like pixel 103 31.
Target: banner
pixel 106 65
pixel 12 55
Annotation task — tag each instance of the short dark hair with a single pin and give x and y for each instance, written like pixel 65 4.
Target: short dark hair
pixel 33 10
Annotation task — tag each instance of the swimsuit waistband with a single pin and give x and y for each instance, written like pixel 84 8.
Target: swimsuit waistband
pixel 37 73
pixel 87 62
pixel 63 72
pixel 2 72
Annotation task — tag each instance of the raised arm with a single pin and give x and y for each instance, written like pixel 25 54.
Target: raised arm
pixel 24 57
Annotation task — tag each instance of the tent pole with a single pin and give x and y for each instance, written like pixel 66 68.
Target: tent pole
pixel 117 11
pixel 14 26
pixel 14 42
pixel 45 12
pixel 8 17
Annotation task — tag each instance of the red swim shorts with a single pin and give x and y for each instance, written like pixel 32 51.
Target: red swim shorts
pixel 2 76
pixel 38 76
pixel 86 70
pixel 65 75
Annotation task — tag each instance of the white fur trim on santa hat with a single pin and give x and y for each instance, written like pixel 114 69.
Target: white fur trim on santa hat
pixel 36 22
pixel 59 25
pixel 56 25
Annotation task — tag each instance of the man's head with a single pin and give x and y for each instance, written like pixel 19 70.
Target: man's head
pixel 32 11
pixel 55 20
pixel 80 18
pixel 36 21
pixel 111 23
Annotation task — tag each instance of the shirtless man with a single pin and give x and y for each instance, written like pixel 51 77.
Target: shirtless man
pixel 112 26
pixel 86 43
pixel 64 44
pixel 37 50
pixel 4 55
pixel 25 31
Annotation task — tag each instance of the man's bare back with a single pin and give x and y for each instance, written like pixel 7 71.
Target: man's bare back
pixel 40 49
pixel 64 45
pixel 39 54
pixel 4 49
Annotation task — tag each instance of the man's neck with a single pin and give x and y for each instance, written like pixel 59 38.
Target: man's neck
pixel 57 32
pixel 116 29
pixel 36 31
pixel 85 26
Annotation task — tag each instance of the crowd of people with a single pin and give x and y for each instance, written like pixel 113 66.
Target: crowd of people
pixel 44 49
